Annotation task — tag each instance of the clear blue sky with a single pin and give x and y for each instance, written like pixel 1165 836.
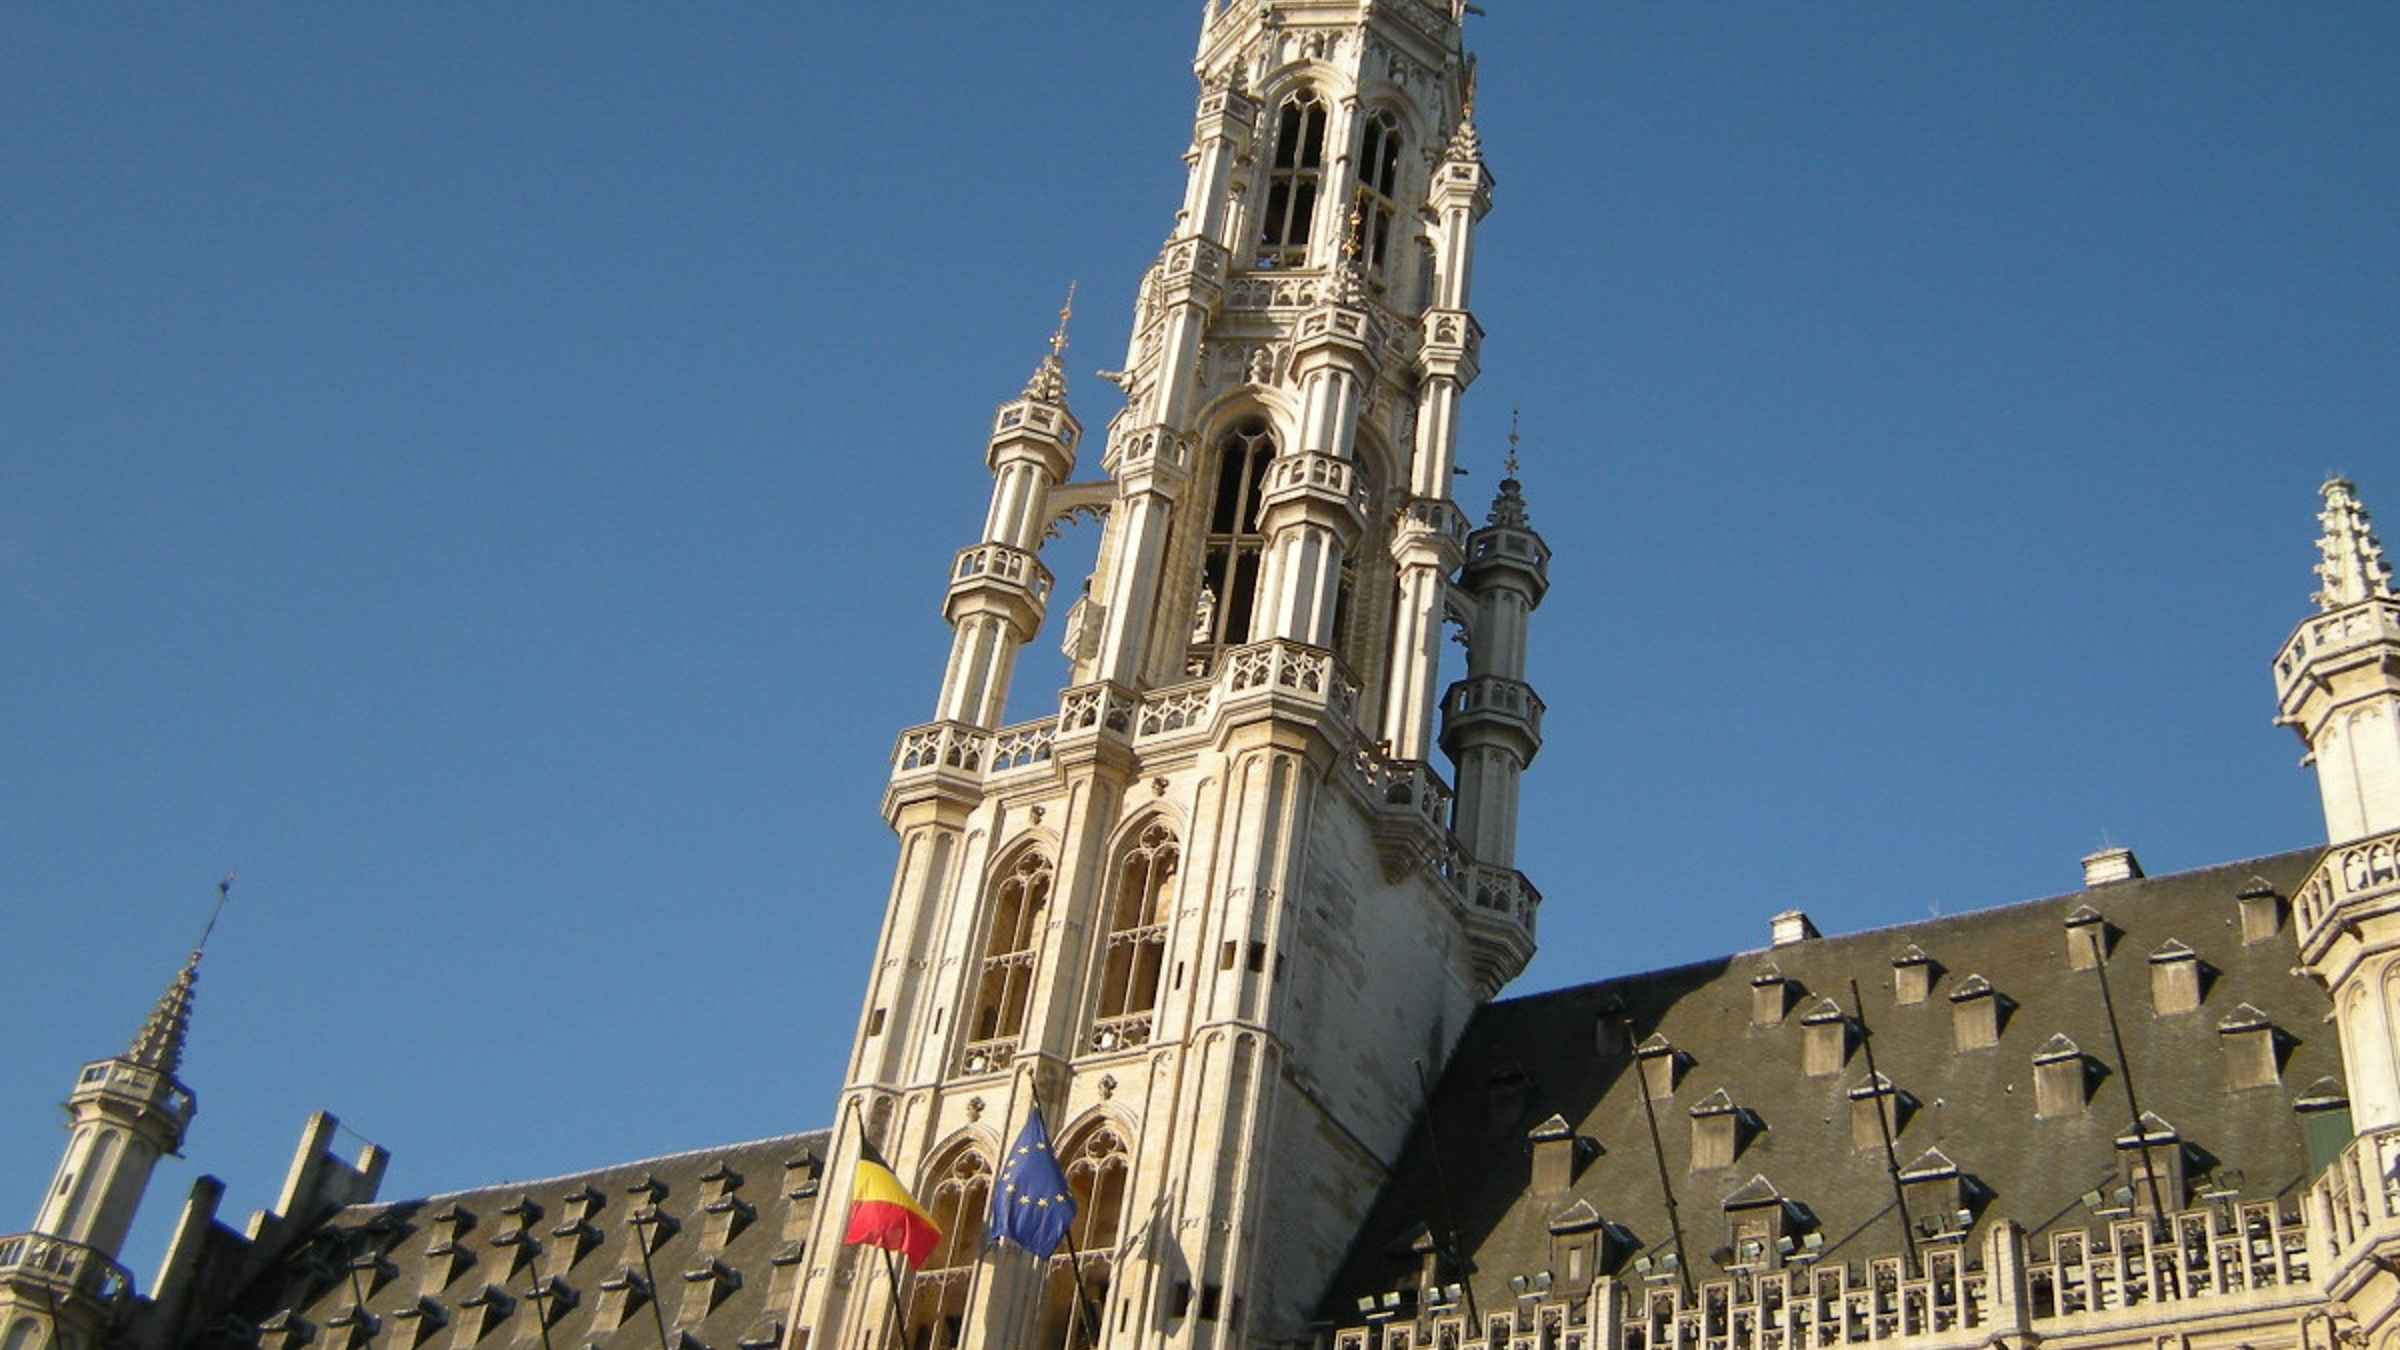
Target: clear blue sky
pixel 488 473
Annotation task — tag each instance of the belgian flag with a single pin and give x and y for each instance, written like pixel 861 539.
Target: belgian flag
pixel 883 1213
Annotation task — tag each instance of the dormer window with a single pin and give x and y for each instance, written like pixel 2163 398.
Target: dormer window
pixel 1294 179
pixel 1378 202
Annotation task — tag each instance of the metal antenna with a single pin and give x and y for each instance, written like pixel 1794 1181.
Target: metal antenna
pixel 1883 1126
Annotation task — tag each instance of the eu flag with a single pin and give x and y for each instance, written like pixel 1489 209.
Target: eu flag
pixel 1031 1205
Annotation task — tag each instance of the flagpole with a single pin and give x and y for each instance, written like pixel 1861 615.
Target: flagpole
pixel 891 1268
pixel 1082 1302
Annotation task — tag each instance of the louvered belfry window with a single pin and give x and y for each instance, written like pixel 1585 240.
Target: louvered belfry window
pixel 1378 191
pixel 1136 943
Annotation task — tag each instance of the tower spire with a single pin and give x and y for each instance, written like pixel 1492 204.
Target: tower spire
pixel 159 1044
pixel 2353 569
pixel 1508 504
pixel 1049 382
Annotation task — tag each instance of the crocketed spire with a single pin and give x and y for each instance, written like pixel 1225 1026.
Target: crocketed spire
pixel 159 1044
pixel 1049 382
pixel 2353 569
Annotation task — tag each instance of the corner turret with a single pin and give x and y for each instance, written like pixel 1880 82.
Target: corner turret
pixel 2337 680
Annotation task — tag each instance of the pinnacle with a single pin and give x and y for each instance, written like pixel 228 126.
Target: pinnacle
pixel 159 1044
pixel 1049 382
pixel 1508 504
pixel 2352 569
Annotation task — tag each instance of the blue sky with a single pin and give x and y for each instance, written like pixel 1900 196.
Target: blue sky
pixel 488 473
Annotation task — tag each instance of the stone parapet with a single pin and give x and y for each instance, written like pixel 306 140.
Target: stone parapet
pixel 2354 883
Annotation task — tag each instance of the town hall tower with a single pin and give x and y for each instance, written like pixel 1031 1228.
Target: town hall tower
pixel 1220 914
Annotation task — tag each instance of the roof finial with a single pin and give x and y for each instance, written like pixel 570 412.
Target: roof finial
pixel 1508 504
pixel 2352 569
pixel 224 891
pixel 1049 382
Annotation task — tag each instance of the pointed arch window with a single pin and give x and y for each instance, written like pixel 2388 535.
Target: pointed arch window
pixel 1135 948
pixel 1097 1163
pixel 1234 546
pixel 1378 201
pixel 1294 178
pixel 1004 987
pixel 958 1194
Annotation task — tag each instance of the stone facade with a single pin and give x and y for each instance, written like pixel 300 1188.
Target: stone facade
pixel 1225 921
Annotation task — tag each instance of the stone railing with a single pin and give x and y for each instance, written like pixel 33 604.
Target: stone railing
pixel 1435 516
pixel 2358 1194
pixel 1013 566
pixel 1404 782
pixel 1180 707
pixel 2350 881
pixel 941 745
pixel 2251 1258
pixel 2375 620
pixel 1514 699
pixel 1121 1033
pixel 143 1084
pixel 1022 746
pixel 987 1056
pixel 1034 414
pixel 63 1268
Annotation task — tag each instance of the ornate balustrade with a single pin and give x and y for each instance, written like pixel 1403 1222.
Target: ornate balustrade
pixel 941 745
pixel 2350 882
pixel 63 1268
pixel 2376 620
pixel 2230 1251
pixel 987 1056
pixel 141 1084
pixel 998 562
pixel 1495 695
pixel 1122 1033
pixel 2358 1194
pixel 1433 515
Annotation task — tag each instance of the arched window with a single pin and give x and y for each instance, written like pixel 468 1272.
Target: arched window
pixel 1293 181
pixel 25 1334
pixel 1136 944
pixel 1097 1163
pixel 1378 190
pixel 1020 902
pixel 957 1193
pixel 1229 572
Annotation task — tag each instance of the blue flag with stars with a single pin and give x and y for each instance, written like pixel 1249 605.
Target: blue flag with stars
pixel 1031 1205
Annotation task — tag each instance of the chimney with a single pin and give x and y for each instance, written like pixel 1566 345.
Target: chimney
pixel 1789 927
pixel 2108 865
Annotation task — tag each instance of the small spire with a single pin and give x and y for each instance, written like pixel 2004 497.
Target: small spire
pixel 159 1044
pixel 1508 504
pixel 1466 146
pixel 2353 569
pixel 1049 382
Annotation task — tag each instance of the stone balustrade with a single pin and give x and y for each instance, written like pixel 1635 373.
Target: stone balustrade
pixel 1014 567
pixel 2248 1259
pixel 2357 1196
pixel 143 1085
pixel 63 1269
pixel 1495 696
pixel 2376 620
pixel 2352 881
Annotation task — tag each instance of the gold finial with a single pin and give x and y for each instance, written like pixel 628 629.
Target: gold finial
pixel 1358 231
pixel 1511 467
pixel 1058 340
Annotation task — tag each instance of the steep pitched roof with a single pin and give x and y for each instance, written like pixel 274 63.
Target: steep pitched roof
pixel 733 1217
pixel 1974 1108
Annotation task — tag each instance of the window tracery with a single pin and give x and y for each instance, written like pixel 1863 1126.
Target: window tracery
pixel 1294 178
pixel 1378 201
pixel 958 1194
pixel 1234 542
pixel 1020 903
pixel 1097 1163
pixel 1134 949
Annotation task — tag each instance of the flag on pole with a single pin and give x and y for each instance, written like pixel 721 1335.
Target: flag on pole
pixel 883 1213
pixel 1032 1205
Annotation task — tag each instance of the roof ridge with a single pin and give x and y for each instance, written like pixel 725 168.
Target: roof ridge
pixel 436 1197
pixel 1727 959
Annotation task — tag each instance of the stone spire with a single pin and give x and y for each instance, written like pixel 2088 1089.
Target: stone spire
pixel 1049 382
pixel 1508 504
pixel 1466 146
pixel 159 1044
pixel 2353 569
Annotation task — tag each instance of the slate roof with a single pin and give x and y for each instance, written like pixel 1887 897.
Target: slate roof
pixel 451 1271
pixel 1565 1054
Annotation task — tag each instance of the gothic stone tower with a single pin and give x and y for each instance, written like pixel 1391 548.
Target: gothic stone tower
pixel 61 1283
pixel 1218 912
